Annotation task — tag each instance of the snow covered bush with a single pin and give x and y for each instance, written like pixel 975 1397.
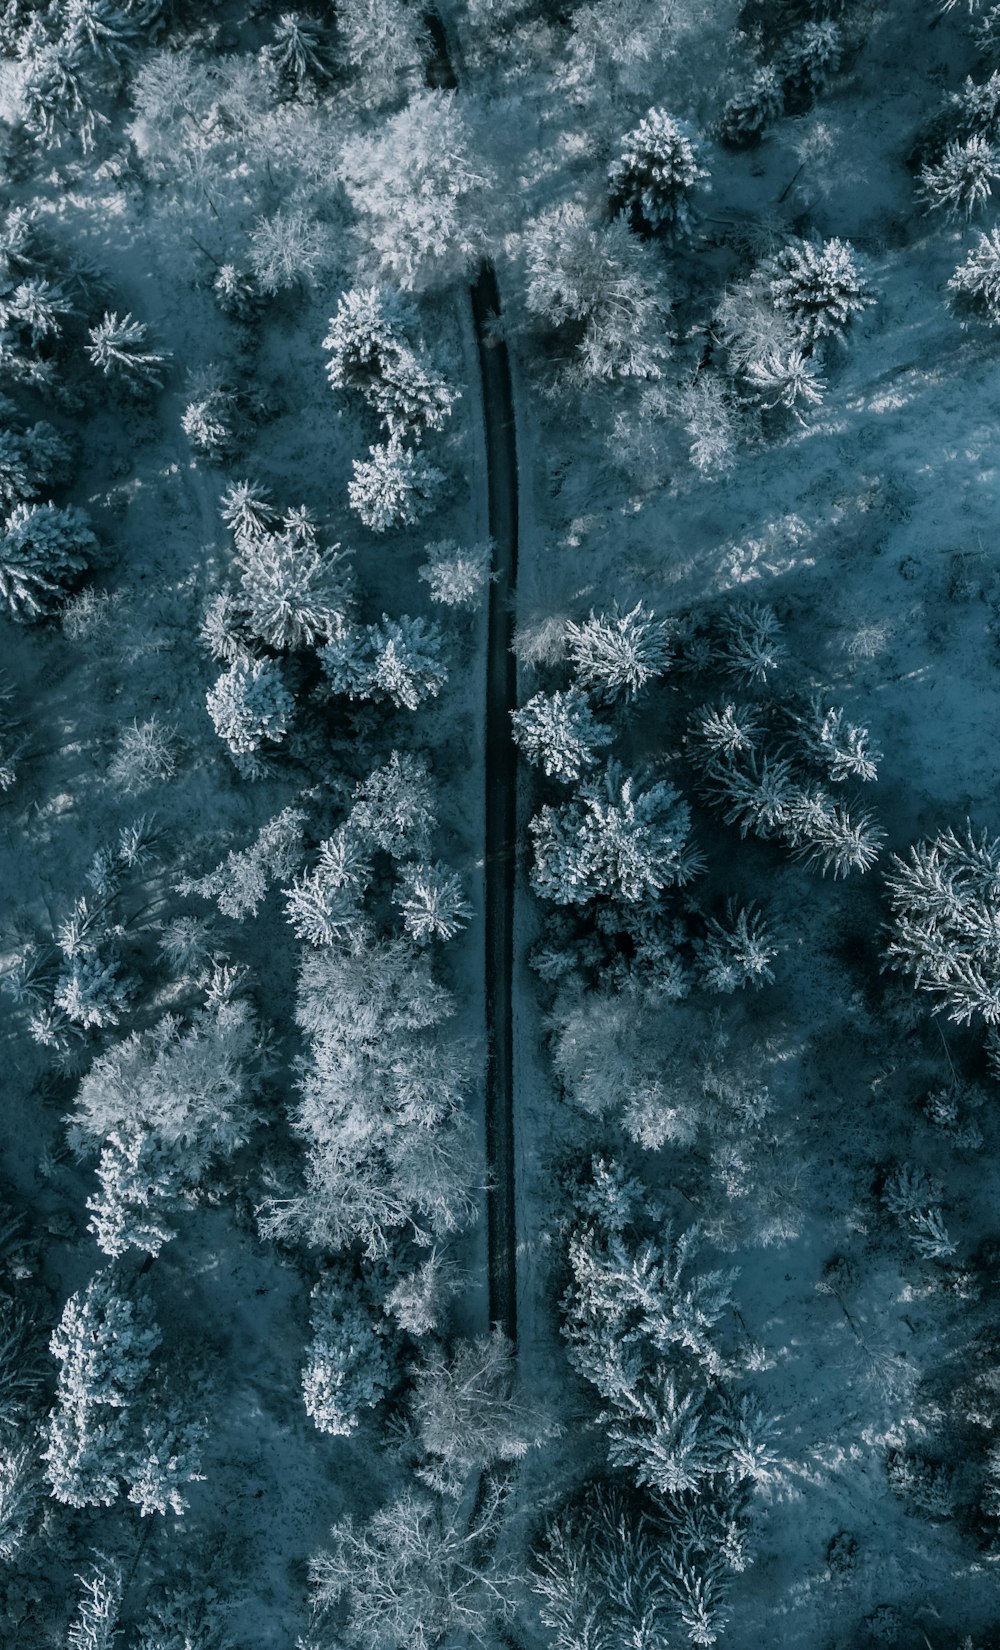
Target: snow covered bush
pixel 119 347
pixel 394 486
pixel 103 1343
pixel 962 181
pixel 420 183
pixel 820 286
pixel 43 551
pixel 656 175
pixel 559 733
pixel 945 931
pixel 251 708
pixel 753 108
pixel 974 289
pixel 457 577
pixel 370 352
pixel 615 655
pixel 432 902
pixel 602 288
pixel 346 1368
pixel 620 838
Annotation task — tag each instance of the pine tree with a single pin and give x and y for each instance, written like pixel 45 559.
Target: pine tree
pixel 820 286
pixel 236 292
pixel 20 1495
pixel 406 664
pixel 43 551
pixel 394 806
pixel 467 1414
pixel 381 40
pixel 974 289
pixel 962 181
pixel 560 734
pixel 617 654
pixel 946 917
pixel 346 1369
pixel 118 346
pixel 657 173
pixel 164 1462
pixel 726 732
pixel 840 748
pixel 251 708
pixel 394 486
pixel 293 594
pixel 432 902
pixel 290 249
pixel 248 512
pixel 830 836
pixel 749 642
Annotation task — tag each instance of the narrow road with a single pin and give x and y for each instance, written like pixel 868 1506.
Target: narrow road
pixel 501 806
pixel 501 763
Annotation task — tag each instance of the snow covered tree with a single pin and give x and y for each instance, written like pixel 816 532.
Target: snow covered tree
pixel 43 551
pixel 139 1190
pixel 808 57
pixel 656 175
pixel 738 951
pixel 29 461
pixel 790 379
pixel 458 577
pixel 394 806
pixel 394 486
pixel 974 289
pixel 251 709
pixel 20 1494
pixel 104 1342
pixel 236 292
pixel 749 642
pixel 420 1572
pixel 209 418
pixel 164 1461
pixel 418 1299
pixel 962 181
pixel 290 249
pixel 601 287
pixel 399 660
pixel 727 732
pixel 914 1198
pixel 820 286
pixel 346 1369
pixel 380 40
pixel 248 511
pixel 432 902
pixel 190 1086
pixel 241 882
pixel 95 1626
pixel 119 347
pixel 370 353
pixel 945 930
pixel 829 836
pixel 617 654
pixel 146 754
pixel 299 51
pixel 559 733
pixel 421 190
pixel 90 990
pixel 293 593
pixel 753 108
pixel 840 748
pixel 620 838
pixel 467 1413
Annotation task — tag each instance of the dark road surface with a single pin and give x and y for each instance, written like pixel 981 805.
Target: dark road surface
pixel 501 809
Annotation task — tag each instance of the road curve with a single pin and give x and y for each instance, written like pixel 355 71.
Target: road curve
pixel 501 804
